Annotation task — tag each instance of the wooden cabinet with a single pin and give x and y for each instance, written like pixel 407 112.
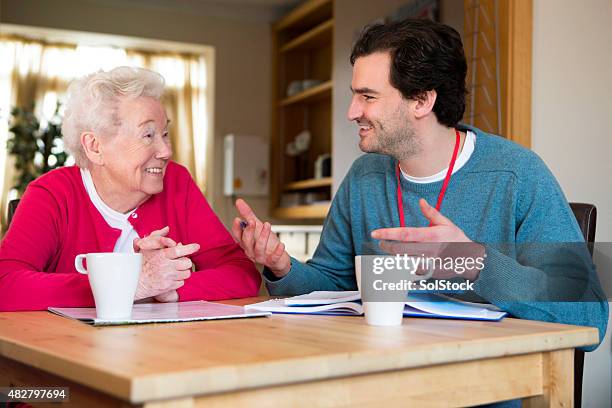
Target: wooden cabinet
pixel 302 104
pixel 499 53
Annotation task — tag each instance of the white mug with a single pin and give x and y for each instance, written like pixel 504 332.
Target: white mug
pixel 379 313
pixel 383 313
pixel 113 278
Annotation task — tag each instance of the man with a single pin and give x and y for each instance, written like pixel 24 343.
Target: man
pixel 408 98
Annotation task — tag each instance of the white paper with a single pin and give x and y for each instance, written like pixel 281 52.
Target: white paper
pixel 321 297
pixel 348 303
pixel 279 306
pixel 163 313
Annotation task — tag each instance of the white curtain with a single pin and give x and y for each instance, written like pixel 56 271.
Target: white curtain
pixel 38 72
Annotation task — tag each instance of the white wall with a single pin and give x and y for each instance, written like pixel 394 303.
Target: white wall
pixel 351 15
pixel 572 126
pixel 242 56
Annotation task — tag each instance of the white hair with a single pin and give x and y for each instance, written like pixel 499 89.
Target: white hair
pixel 92 103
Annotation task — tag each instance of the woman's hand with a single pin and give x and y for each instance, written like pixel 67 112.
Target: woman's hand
pixel 258 241
pixel 167 297
pixel 165 266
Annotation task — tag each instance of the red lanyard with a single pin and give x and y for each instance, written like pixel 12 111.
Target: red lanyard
pixel 449 173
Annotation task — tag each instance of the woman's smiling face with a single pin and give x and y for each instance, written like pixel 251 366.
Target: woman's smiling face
pixel 135 158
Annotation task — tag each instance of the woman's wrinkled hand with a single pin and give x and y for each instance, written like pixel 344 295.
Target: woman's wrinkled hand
pixel 167 297
pixel 165 265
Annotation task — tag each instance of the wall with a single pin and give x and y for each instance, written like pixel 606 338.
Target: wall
pixel 242 102
pixel 572 127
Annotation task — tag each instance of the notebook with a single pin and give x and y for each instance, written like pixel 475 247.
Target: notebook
pixel 163 313
pixel 348 303
pixel 322 297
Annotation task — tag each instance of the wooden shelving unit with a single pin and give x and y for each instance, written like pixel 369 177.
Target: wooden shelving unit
pixel 311 183
pixel 318 92
pixel 320 35
pixel 300 212
pixel 302 51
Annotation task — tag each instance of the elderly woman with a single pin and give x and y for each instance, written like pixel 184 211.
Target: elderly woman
pixel 123 195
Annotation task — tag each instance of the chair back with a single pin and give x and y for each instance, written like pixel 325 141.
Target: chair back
pixel 586 215
pixel 12 206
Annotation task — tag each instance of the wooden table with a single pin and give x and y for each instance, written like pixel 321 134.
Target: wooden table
pixel 293 360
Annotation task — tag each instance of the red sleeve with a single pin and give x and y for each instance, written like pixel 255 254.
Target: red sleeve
pixel 25 254
pixel 222 269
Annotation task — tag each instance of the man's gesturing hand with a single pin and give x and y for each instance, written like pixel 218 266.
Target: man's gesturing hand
pixel 433 241
pixel 441 229
pixel 258 241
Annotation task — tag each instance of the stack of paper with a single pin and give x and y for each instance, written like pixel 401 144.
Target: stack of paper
pixel 162 313
pixel 348 303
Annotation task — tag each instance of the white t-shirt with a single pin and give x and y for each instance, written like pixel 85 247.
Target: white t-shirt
pixel 464 156
pixel 113 218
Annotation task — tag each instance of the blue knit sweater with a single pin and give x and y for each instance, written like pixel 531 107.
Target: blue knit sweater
pixel 504 195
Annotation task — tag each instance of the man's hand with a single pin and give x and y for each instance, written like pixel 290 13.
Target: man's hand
pixel 441 229
pixel 258 241
pixel 432 241
pixel 165 266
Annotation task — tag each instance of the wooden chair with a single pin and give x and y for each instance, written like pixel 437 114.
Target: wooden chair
pixel 12 206
pixel 586 215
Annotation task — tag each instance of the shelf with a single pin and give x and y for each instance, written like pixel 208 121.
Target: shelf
pixel 315 93
pixel 302 50
pixel 315 211
pixel 314 38
pixel 302 16
pixel 310 183
pixel 308 229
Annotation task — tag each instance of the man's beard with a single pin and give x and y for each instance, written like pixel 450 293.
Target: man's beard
pixel 400 143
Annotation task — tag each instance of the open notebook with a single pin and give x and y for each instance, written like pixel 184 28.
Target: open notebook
pixel 348 303
pixel 163 313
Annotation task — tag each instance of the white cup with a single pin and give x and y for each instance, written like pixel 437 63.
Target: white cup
pixel 113 278
pixel 379 313
pixel 383 313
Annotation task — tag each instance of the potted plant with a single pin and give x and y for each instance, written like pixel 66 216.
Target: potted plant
pixel 37 147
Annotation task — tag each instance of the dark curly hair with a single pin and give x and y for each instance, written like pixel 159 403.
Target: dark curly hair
pixel 425 56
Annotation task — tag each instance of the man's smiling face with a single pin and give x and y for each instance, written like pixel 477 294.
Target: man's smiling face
pixel 379 109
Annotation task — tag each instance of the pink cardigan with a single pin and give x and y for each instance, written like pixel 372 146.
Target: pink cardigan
pixel 56 220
